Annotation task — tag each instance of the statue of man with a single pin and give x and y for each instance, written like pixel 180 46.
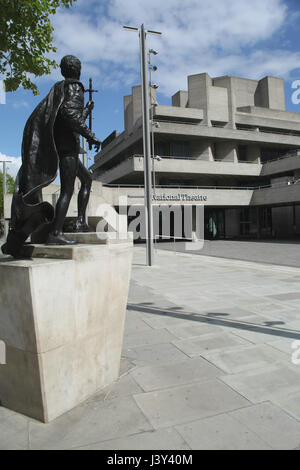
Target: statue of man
pixel 51 140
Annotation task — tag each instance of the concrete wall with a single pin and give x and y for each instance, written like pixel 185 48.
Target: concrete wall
pixel 227 82
pixel 270 93
pixel 133 107
pixel 226 151
pixel 198 94
pixel 253 153
pixel 201 149
pixel 218 104
pixel 128 112
pixel 180 99
pixel 244 90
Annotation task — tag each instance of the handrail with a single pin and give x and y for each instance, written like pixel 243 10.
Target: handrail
pixel 184 187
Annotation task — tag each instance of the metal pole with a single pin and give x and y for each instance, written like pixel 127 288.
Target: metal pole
pixel 4 181
pixel 146 146
pixel 84 162
pixel 4 199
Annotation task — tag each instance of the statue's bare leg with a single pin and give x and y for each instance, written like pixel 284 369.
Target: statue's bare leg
pixel 68 170
pixel 85 178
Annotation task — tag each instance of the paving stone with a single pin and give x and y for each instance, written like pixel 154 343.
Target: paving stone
pixel 135 325
pixel 90 423
pixel 262 384
pixel 284 345
pixel 13 430
pixel 271 424
pixel 123 387
pixel 186 330
pixel 164 320
pixel 265 334
pixel 162 439
pixel 189 371
pixel 286 296
pixel 220 432
pixel 145 337
pixel 212 342
pixel 189 402
pixel 245 358
pixel 289 402
pixel 126 365
pixel 154 354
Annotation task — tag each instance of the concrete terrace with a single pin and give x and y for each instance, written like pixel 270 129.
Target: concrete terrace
pixel 207 364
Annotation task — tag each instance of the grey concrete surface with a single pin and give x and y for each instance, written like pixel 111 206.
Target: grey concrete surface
pixel 238 389
pixel 285 253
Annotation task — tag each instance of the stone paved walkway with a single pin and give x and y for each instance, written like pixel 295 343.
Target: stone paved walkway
pixel 286 253
pixel 207 364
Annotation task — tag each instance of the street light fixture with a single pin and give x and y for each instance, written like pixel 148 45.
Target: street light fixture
pixel 4 162
pixel 146 138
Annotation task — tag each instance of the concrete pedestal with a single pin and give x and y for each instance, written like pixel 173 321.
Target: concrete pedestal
pixel 62 316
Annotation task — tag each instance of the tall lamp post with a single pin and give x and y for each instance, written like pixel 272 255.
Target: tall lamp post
pixel 146 138
pixel 4 162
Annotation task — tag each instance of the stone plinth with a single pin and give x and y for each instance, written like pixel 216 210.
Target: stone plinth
pixel 62 316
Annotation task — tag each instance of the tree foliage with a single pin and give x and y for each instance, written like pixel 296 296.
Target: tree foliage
pixel 9 187
pixel 26 36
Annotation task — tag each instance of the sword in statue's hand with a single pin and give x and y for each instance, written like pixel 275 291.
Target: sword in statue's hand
pixel 91 91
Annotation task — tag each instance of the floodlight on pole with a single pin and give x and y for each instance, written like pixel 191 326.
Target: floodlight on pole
pixel 4 161
pixel 146 138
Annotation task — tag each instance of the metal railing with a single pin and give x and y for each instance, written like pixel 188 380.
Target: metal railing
pixel 185 187
pixel 174 157
pixel 286 155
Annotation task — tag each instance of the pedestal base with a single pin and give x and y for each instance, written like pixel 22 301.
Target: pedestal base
pixel 62 317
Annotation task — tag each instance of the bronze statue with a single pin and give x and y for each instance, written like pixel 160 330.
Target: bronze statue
pixel 51 139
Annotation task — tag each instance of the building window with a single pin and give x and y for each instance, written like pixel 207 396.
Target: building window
pixel 174 149
pixel 242 153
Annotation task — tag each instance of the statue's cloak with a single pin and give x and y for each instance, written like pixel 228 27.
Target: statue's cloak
pixel 29 214
pixel 39 155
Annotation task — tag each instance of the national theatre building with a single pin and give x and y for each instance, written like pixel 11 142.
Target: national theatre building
pixel 226 143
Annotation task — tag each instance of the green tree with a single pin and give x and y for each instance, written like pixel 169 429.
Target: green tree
pixel 25 40
pixel 9 187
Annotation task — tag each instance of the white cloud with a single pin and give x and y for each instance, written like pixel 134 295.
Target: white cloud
pixel 215 36
pixel 20 104
pixel 13 167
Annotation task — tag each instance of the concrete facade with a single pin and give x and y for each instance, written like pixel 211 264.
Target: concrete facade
pixel 227 137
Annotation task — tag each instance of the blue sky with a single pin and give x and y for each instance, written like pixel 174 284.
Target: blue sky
pixel 248 38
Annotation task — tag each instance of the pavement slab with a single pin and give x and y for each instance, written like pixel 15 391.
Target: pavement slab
pixel 189 371
pixel 246 358
pixel 221 432
pixel 13 430
pixel 263 384
pixel 90 423
pixel 206 361
pixel 271 424
pixel 177 405
pixel 161 439
pixel 193 347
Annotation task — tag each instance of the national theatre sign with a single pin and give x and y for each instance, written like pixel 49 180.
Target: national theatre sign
pixel 179 197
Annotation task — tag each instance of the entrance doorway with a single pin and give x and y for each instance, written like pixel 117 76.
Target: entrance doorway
pixel 214 220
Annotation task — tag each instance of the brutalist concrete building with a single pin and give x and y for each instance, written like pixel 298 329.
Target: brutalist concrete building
pixel 226 143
